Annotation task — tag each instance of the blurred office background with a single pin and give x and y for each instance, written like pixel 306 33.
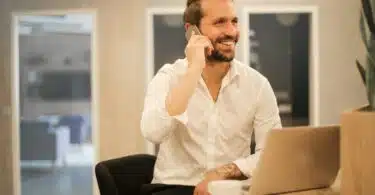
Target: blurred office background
pixel 62 124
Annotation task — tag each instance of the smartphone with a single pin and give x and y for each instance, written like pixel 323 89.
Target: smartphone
pixel 190 30
pixel 194 28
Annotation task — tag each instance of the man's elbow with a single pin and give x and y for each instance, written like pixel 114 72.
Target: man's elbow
pixel 151 133
pixel 151 136
pixel 175 110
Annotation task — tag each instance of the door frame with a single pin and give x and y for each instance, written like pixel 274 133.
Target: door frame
pixel 150 71
pixel 314 90
pixel 95 94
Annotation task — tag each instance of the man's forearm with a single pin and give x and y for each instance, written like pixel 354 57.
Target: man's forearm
pixel 178 98
pixel 229 171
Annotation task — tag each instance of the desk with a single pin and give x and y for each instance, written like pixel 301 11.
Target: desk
pixel 334 189
pixel 326 191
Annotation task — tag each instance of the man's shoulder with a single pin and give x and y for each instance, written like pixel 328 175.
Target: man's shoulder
pixel 247 72
pixel 177 66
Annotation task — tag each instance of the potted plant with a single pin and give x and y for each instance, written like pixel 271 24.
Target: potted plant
pixel 358 126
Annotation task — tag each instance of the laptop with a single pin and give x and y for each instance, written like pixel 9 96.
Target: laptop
pixel 297 159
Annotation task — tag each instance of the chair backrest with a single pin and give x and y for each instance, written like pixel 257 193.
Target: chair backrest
pixel 124 175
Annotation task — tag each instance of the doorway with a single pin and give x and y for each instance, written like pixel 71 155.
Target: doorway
pixel 54 98
pixel 282 45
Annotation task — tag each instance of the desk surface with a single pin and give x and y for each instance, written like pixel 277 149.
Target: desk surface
pixel 334 189
pixel 326 191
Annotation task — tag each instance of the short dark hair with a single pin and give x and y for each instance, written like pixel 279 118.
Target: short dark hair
pixel 193 12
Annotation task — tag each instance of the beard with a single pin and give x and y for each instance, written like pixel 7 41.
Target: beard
pixel 219 56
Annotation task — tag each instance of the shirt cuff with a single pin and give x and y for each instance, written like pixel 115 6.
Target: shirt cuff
pixel 248 165
pixel 243 166
pixel 182 118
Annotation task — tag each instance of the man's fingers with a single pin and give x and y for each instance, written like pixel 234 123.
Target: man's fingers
pixel 195 191
pixel 198 190
pixel 199 38
pixel 202 43
pixel 208 51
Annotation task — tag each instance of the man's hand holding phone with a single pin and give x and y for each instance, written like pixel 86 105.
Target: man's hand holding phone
pixel 197 49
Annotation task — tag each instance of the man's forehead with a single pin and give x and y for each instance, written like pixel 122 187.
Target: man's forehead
pixel 216 1
pixel 217 7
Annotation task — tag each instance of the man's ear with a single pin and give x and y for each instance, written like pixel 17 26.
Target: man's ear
pixel 187 25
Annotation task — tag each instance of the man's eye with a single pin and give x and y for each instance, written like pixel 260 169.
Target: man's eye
pixel 219 22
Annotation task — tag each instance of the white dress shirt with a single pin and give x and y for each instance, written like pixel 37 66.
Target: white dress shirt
pixel 208 134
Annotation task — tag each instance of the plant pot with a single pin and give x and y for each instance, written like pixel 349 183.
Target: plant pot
pixel 357 154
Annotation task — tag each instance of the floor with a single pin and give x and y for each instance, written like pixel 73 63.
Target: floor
pixel 80 155
pixel 75 178
pixel 61 181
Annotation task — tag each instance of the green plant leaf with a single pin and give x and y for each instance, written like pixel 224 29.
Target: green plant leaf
pixel 371 52
pixel 361 71
pixel 367 10
pixel 370 85
pixel 362 27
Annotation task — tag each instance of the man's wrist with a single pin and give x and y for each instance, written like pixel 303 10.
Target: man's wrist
pixel 196 70
pixel 228 171
pixel 193 75
pixel 214 175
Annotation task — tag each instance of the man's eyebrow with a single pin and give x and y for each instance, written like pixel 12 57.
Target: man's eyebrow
pixel 223 18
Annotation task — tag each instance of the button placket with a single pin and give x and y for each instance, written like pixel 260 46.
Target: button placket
pixel 211 138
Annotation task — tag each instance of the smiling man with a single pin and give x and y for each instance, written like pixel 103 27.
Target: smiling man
pixel 203 109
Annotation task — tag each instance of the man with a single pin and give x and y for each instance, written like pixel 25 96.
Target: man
pixel 203 109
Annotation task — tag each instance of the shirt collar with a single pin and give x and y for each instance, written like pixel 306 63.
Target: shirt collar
pixel 233 70
pixel 232 73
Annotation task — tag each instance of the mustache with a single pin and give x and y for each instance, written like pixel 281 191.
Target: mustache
pixel 227 38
